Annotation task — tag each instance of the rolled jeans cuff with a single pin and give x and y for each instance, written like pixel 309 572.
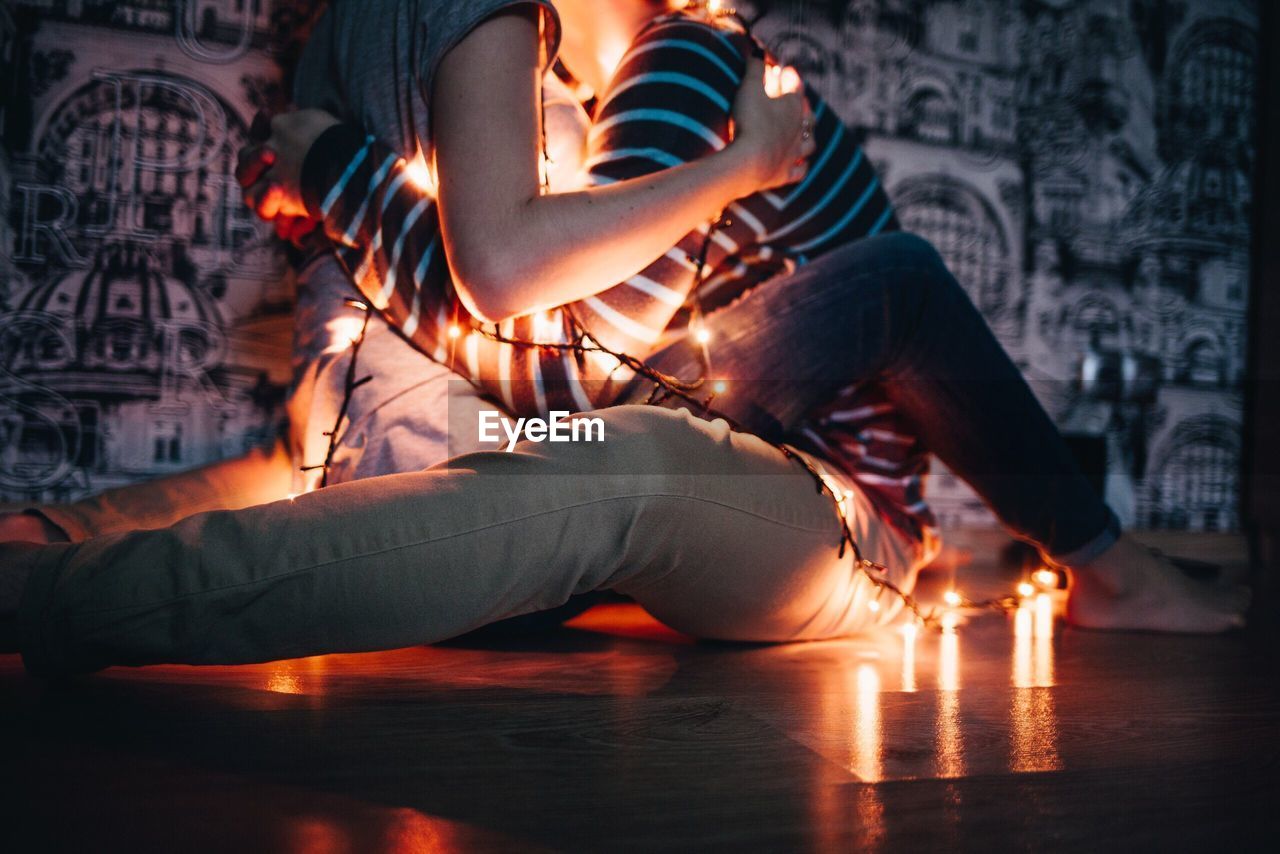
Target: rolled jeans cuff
pixel 1092 548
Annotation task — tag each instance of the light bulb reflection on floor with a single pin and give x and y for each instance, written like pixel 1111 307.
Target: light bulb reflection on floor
pixel 950 746
pixel 1032 714
pixel 909 633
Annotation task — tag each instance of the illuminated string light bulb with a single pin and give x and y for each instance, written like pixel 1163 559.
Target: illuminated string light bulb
pixel 455 331
pixel 547 327
pixel 1025 589
pixel 874 605
pixel 1045 577
pixel 343 332
pixel 702 335
pixel 952 598
pixel 719 386
pixel 418 173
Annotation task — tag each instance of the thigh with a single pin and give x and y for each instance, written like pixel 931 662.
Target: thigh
pixel 738 544
pixel 793 342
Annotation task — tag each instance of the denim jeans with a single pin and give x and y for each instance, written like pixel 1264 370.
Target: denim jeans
pixel 886 309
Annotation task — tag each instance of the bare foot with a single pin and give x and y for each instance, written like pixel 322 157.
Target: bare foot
pixel 1130 588
pixel 29 528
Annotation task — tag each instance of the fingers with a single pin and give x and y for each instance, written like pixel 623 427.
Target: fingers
pixel 788 80
pixel 780 80
pixel 283 226
pixel 293 229
pixel 269 206
pixel 252 163
pixel 264 199
pixel 302 228
pixel 773 81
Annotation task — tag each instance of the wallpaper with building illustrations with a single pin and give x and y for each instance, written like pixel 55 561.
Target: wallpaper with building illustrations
pixel 1084 165
pixel 144 315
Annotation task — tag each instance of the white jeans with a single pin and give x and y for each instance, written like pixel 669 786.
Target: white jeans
pixel 714 532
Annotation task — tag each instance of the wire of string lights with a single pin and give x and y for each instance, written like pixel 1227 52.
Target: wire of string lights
pixel 667 387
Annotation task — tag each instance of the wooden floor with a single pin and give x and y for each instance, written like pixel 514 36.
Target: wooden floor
pixel 618 735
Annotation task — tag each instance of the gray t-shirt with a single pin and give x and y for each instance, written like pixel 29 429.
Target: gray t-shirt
pixel 372 61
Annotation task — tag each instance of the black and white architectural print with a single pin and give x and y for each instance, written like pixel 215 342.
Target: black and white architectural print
pixel 1084 166
pixel 144 314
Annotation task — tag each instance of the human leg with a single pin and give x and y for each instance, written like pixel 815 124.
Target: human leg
pixel 713 530
pixel 887 309
pixel 263 474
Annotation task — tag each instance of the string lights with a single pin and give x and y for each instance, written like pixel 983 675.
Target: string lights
pixel 667 387
pixel 349 386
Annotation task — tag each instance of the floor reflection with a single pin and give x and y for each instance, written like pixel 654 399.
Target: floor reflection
pixel 868 746
pixel 1032 715
pixel 868 737
pixel 910 632
pixel 950 747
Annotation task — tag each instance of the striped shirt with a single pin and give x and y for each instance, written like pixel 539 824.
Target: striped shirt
pixel 670 102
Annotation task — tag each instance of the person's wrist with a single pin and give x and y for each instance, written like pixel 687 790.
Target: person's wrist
pixel 746 165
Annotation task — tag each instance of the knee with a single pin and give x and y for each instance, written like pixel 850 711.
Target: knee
pixel 656 439
pixel 931 282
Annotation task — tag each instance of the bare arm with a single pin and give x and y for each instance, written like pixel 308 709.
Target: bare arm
pixel 511 250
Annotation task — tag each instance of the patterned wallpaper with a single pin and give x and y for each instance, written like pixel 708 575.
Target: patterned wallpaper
pixel 144 314
pixel 1084 165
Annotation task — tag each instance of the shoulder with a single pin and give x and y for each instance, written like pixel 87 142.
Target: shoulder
pixel 723 38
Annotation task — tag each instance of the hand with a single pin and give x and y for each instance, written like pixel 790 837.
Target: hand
pixel 772 124
pixel 270 171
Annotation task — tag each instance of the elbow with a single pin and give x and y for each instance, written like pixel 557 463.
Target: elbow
pixel 487 285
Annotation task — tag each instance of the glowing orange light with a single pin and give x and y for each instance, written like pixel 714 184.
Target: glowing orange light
pixel 1026 589
pixel 1044 616
pixel 547 327
pixel 419 174
pixel 1045 577
pixel 874 605
pixel 952 598
pixel 719 386
pixel 909 632
pixel 343 331
pixel 455 331
pixel 702 336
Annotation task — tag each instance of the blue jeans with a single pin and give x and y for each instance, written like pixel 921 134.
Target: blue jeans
pixel 886 309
